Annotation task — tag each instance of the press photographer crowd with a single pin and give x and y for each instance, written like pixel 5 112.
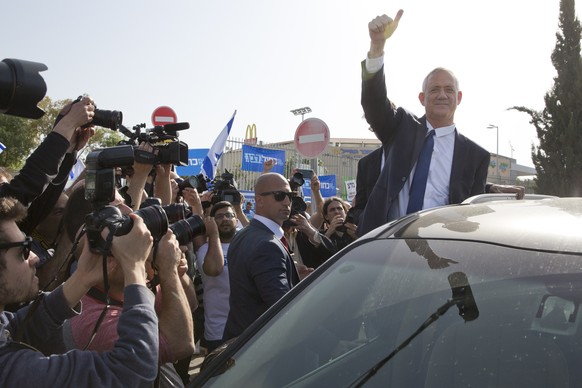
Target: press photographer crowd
pixel 123 277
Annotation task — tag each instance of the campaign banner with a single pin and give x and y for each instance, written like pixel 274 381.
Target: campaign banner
pixel 351 189
pixel 195 159
pixel 328 186
pixel 254 157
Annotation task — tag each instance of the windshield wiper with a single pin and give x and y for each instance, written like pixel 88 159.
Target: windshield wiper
pixel 462 297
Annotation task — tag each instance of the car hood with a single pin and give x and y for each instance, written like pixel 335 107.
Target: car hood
pixel 549 224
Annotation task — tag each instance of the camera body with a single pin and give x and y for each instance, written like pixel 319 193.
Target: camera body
pixel 349 220
pixel 100 179
pixel 198 182
pixel 225 189
pixel 164 139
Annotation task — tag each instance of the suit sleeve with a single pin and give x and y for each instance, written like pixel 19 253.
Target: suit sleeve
pixel 379 111
pixel 480 182
pixel 269 271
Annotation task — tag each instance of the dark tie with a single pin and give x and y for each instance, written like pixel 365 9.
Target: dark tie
pixel 416 197
pixel 285 243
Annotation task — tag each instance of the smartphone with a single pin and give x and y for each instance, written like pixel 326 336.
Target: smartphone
pixel 307 174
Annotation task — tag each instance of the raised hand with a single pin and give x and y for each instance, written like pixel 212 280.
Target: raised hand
pixel 382 27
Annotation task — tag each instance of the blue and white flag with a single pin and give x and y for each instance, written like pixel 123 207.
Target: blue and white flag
pixel 215 152
pixel 75 172
pixel 2 148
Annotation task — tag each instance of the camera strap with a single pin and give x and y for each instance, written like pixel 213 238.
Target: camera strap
pixel 153 284
pixel 106 252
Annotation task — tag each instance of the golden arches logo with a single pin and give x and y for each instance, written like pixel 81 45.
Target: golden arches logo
pixel 251 134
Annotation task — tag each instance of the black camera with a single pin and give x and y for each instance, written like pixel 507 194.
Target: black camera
pixel 184 224
pixel 187 229
pixel 225 189
pixel 164 139
pixel 111 119
pixel 174 212
pixel 21 88
pixel 298 206
pixel 100 191
pixel 198 182
pixel 348 220
pixel 296 181
pixel 109 216
pixel 100 177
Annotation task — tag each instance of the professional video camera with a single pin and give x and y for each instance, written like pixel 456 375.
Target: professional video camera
pixel 164 139
pixel 225 189
pixel 21 88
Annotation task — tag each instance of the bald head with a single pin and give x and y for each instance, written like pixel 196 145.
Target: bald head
pixel 268 180
pixel 266 186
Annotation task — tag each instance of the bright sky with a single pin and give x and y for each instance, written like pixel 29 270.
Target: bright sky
pixel 263 58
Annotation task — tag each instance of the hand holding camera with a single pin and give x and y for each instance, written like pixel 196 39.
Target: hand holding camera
pixel 132 250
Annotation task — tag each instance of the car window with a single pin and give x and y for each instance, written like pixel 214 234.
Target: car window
pixel 526 331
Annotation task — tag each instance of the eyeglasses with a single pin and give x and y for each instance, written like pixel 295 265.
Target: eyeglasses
pixel 228 216
pixel 26 245
pixel 279 195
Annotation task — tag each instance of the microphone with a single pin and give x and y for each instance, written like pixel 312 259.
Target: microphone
pixel 463 296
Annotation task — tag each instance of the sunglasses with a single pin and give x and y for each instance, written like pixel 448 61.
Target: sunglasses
pixel 26 245
pixel 279 195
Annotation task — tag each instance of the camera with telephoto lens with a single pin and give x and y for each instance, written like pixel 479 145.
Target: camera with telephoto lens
pixel 225 189
pixel 21 88
pixel 110 119
pixel 175 211
pixel 163 138
pixel 100 191
pixel 185 225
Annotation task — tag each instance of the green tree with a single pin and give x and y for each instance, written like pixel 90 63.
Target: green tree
pixel 22 136
pixel 557 159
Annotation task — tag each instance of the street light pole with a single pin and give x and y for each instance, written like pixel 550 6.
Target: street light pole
pixel 301 111
pixel 490 126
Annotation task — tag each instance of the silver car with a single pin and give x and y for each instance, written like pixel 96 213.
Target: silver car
pixel 471 295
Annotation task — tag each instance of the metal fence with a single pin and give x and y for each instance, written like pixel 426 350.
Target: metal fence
pixel 333 161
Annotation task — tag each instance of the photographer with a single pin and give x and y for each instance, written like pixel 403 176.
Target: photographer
pixel 133 358
pixel 42 166
pixel 340 229
pixel 309 246
pixel 175 296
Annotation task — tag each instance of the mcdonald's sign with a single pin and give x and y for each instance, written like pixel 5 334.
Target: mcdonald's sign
pixel 251 134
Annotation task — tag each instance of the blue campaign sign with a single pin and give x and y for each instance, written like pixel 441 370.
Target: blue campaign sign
pixel 254 157
pixel 195 158
pixel 328 186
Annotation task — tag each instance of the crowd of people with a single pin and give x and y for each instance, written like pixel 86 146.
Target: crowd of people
pixel 84 304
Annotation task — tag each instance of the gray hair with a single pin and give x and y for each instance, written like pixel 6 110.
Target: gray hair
pixel 436 70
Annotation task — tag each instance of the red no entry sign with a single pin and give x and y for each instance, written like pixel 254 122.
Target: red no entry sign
pixel 164 115
pixel 311 137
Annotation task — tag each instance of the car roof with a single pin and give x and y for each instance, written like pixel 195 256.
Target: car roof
pixel 552 224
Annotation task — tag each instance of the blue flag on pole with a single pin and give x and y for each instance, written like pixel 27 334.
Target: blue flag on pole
pixel 215 152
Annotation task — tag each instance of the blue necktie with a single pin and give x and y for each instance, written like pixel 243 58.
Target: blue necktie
pixel 416 196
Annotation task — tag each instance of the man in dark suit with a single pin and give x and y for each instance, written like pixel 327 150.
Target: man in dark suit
pixel 367 174
pixel 458 166
pixel 261 269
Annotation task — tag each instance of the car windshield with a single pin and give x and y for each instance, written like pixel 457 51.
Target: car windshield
pixel 526 332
